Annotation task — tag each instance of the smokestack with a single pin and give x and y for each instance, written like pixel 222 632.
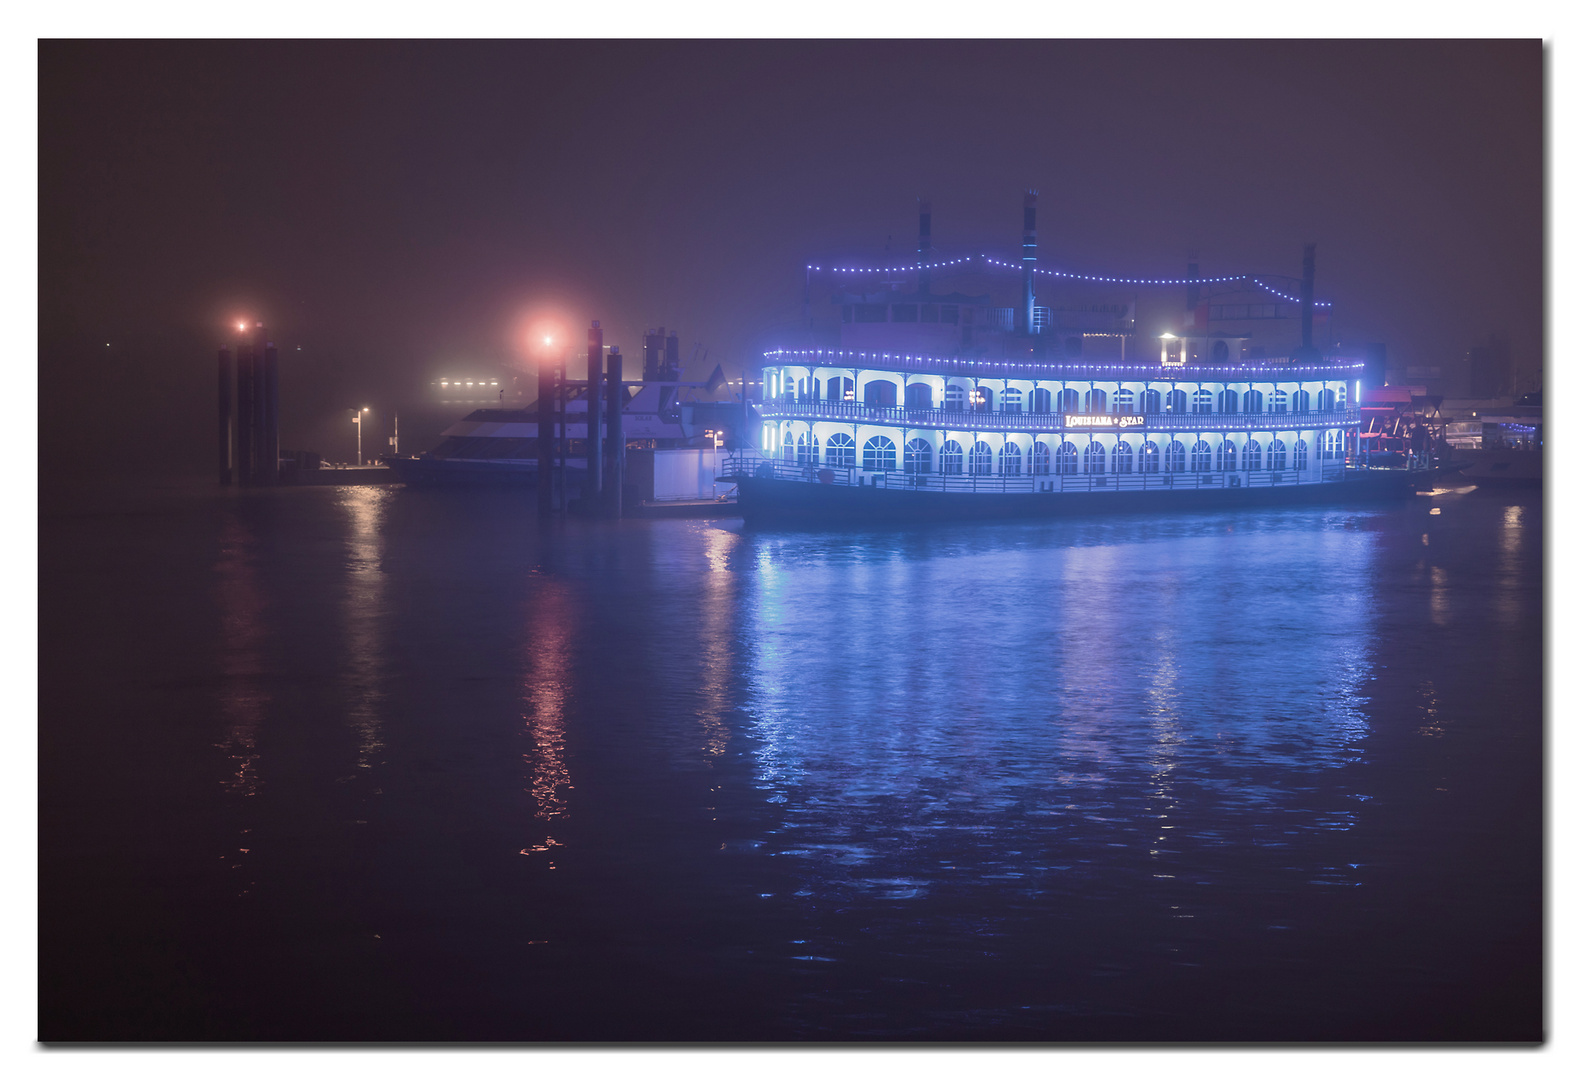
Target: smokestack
pixel 245 412
pixel 652 351
pixel 268 471
pixel 1028 263
pixel 226 377
pixel 594 484
pixel 616 471
pixel 1308 289
pixel 924 247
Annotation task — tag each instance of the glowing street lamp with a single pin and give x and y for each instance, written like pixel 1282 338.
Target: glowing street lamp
pixel 356 418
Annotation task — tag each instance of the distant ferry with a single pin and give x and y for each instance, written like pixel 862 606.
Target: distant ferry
pixel 942 405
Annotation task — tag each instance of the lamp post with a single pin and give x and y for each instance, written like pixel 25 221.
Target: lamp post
pixel 356 418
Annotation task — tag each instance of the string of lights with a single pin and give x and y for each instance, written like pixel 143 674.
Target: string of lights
pixel 1033 368
pixel 1069 275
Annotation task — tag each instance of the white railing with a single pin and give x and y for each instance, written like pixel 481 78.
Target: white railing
pixel 968 420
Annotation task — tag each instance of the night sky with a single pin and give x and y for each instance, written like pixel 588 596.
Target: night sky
pixel 392 210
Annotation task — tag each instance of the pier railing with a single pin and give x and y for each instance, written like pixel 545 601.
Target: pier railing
pixel 1073 423
pixel 965 483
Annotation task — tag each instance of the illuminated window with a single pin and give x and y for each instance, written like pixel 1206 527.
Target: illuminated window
pixel 1332 443
pixel 1174 402
pixel 1041 401
pixel 1202 401
pixel 1226 456
pixel 1326 401
pixel 1201 456
pixel 1009 460
pixel 955 398
pixel 1300 401
pixel 878 454
pixel 1124 457
pixel 1343 394
pixel 1095 457
pixel 1300 455
pixel 1010 402
pixel 1151 401
pixel 1174 457
pixel 1229 401
pixel 1096 401
pixel 1066 461
pixel 841 389
pixel 1124 402
pixel 982 399
pixel 800 450
pixel 981 460
pixel 1069 401
pixel 1280 401
pixel 1253 401
pixel 811 450
pixel 1041 459
pixel 841 451
pixel 918 456
pixel 951 458
pixel 789 447
pixel 1253 456
pixel 1149 457
pixel 1277 456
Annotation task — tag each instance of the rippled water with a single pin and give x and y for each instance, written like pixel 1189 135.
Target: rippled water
pixel 378 763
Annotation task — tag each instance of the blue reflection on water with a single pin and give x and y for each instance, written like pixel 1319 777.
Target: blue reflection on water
pixel 990 711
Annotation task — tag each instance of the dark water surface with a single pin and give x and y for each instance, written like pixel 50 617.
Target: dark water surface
pixel 370 763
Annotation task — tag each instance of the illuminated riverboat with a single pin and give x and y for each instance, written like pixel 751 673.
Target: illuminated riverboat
pixel 1042 410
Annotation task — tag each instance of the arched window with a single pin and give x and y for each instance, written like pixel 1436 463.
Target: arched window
pixel 1174 402
pixel 1201 456
pixel 1253 456
pixel 1174 457
pixel 1300 401
pixel 1009 460
pixel 1280 400
pixel 982 399
pixel 1253 401
pixel 841 389
pixel 1041 459
pixel 1226 456
pixel 800 450
pixel 1331 445
pixel 1300 455
pixel 789 447
pixel 1041 400
pixel 1343 395
pixel 918 456
pixel 878 454
pixel 918 395
pixel 1069 400
pixel 1277 456
pixel 1151 401
pixel 1123 458
pixel 1326 401
pixel 879 393
pixel 951 458
pixel 1064 464
pixel 811 449
pixel 1096 401
pixel 1201 402
pixel 841 451
pixel 1010 401
pixel 981 460
pixel 1220 352
pixel 1095 457
pixel 1149 457
pixel 1229 401
pixel 1124 401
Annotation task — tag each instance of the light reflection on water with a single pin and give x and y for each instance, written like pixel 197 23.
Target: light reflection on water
pixel 363 615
